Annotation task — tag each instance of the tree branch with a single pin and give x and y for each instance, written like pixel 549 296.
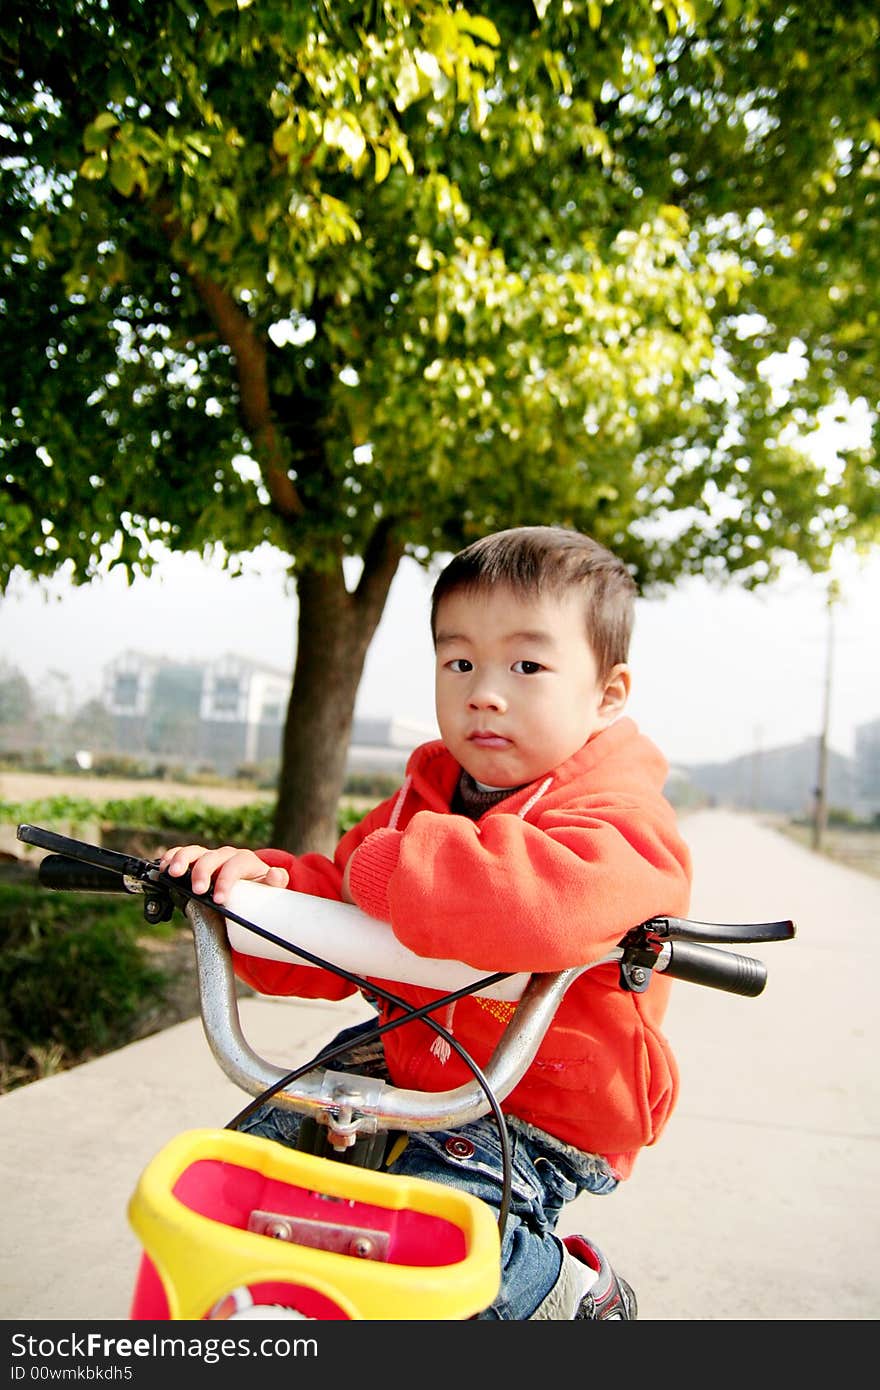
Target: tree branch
pixel 237 332
pixel 382 555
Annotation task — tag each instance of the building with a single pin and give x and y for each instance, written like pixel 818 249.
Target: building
pixel 228 713
pixel 154 704
pixel 241 713
pixel 384 745
pixel 225 713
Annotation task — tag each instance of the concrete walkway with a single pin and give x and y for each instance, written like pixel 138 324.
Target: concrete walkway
pixel 760 1201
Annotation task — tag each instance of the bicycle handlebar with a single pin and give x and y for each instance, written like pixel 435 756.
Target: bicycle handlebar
pixel 391 1107
pixel 674 946
pixel 707 965
pixel 69 875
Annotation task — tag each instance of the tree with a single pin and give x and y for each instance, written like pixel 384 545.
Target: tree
pixel 91 727
pixel 16 698
pixel 367 279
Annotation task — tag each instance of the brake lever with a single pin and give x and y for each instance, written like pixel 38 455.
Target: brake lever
pixel 163 896
pixel 643 946
pixel 127 865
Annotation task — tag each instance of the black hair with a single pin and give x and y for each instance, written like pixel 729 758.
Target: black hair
pixel 550 559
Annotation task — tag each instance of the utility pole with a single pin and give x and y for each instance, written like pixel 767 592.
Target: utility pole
pixel 820 812
pixel 757 790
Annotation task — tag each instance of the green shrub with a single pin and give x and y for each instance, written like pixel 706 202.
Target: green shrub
pixel 74 981
pixel 121 765
pixel 184 819
pixel 50 810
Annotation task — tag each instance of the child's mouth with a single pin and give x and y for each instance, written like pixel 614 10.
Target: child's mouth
pixel 486 738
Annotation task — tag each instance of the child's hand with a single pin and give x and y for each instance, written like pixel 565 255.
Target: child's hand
pixel 225 866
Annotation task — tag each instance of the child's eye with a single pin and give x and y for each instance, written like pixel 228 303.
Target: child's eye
pixel 460 665
pixel 526 668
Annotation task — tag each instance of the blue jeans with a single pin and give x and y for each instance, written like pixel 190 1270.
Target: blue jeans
pixel 546 1174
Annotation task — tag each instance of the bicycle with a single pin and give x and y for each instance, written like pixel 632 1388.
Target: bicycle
pixel 235 1226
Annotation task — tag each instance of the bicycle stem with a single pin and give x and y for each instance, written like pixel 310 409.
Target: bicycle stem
pixel 335 1098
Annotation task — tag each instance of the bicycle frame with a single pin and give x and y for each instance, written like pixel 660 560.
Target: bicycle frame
pixel 424 1249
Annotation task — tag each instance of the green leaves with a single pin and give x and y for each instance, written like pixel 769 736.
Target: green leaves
pixel 515 247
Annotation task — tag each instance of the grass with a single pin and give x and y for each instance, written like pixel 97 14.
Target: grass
pixel 858 847
pixel 76 978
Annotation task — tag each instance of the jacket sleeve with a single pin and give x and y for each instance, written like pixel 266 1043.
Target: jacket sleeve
pixel 322 877
pixel 507 894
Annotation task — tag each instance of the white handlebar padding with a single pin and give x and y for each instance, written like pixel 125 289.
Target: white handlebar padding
pixel 343 934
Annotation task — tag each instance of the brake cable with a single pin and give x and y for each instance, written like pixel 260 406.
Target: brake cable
pixel 409 1015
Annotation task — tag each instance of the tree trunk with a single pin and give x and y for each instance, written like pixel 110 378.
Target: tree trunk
pixel 334 633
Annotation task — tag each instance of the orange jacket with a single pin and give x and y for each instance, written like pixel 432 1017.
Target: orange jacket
pixel 550 877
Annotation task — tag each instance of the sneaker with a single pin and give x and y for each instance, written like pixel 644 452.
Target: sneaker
pixel 610 1297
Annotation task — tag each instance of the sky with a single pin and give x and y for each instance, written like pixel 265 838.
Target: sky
pixel 717 673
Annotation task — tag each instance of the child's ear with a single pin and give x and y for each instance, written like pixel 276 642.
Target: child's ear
pixel 615 693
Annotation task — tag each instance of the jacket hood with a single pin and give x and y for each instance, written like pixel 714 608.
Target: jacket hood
pixel 433 773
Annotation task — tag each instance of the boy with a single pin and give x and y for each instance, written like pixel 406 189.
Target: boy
pixel 531 838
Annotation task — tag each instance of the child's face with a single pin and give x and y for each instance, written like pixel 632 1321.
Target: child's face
pixel 517 689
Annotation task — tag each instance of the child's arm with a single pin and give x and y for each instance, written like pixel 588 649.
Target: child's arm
pixel 307 873
pixel 508 894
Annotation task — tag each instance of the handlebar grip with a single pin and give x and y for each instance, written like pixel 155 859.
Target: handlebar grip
pixel 73 876
pixel 707 965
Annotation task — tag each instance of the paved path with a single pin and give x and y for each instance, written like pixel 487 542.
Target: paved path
pixel 760 1201
pixel 762 1198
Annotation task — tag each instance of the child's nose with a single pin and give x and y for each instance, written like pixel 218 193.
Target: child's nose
pixel 484 696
